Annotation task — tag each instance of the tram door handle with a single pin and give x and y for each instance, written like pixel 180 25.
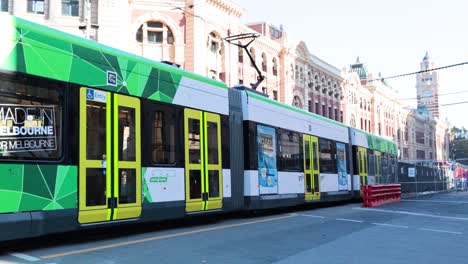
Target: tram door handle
pixel 205 197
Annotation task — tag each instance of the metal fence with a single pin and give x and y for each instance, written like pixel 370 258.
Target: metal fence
pixel 419 179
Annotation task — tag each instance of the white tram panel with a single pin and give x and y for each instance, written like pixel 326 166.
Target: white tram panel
pixel 251 183
pixel 268 113
pixel 359 139
pixel 290 182
pixel 356 183
pixel 204 96
pixel 165 184
pixel 329 183
pixel 227 183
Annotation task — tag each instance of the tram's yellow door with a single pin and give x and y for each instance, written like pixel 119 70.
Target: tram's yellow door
pixel 203 163
pixel 362 164
pixel 109 159
pixel 311 168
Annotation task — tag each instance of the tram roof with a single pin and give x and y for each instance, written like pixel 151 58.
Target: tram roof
pixel 294 109
pixel 378 143
pixel 39 50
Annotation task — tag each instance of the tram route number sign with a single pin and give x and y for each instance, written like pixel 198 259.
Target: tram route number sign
pixel 412 172
pixel 25 128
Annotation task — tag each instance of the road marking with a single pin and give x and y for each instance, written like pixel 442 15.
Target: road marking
pixel 349 220
pixel 411 213
pixel 313 216
pixel 24 256
pixel 441 231
pixel 389 225
pixel 435 201
pixel 138 241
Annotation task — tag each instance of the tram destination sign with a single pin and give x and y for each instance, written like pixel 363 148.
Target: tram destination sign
pixel 25 128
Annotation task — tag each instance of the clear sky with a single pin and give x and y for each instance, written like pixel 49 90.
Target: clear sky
pixel 390 37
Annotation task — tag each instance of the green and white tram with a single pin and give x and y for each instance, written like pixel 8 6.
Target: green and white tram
pixel 374 159
pixel 92 136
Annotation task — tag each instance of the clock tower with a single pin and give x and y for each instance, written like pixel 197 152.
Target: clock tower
pixel 427 86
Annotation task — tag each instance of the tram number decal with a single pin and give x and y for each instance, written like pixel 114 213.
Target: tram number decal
pixel 25 128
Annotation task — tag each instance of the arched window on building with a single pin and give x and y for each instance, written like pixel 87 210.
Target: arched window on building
pixel 309 79
pixel 275 67
pixel 316 80
pixel 156 41
pixel 264 62
pixel 292 72
pixel 297 102
pixel 241 55
pixel 324 85
pixel 352 121
pixel 252 53
pixel 216 56
pixel 155 32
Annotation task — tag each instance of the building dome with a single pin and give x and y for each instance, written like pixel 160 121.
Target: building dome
pixel 360 69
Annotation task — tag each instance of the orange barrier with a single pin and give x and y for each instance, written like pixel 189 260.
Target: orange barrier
pixel 376 195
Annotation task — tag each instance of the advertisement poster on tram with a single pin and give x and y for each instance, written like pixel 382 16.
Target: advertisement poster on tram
pixel 267 172
pixel 342 174
pixel 26 128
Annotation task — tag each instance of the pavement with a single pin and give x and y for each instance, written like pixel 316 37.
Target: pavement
pixel 429 229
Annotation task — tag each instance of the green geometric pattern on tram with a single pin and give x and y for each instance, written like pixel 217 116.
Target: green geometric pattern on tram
pixel 381 144
pixel 46 52
pixel 146 192
pixel 37 187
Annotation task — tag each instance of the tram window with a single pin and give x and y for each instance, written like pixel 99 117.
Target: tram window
pixel 195 184
pixel 30 121
pixel 348 161
pixel 163 136
pixel 355 160
pixel 212 142
pixel 213 180
pixel 194 141
pixel 365 163
pixel 95 130
pixel 289 154
pixel 315 153
pixel 250 146
pixel 225 147
pixel 307 155
pixel 95 187
pixel 127 182
pixel 127 140
pixel 327 156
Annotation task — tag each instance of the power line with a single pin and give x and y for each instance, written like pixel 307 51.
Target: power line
pixel 463 102
pixel 413 73
pixel 412 98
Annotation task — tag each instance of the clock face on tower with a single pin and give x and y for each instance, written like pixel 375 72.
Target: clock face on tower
pixel 427 93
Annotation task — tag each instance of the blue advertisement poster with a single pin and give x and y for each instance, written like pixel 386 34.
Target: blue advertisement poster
pixel 267 172
pixel 342 174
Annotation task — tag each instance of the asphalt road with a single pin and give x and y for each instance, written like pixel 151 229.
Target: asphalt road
pixel 426 230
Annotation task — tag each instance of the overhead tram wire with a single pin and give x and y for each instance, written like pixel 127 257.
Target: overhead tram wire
pixel 457 103
pixel 413 73
pixel 414 98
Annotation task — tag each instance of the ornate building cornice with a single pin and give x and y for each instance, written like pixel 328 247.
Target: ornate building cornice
pixel 227 6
